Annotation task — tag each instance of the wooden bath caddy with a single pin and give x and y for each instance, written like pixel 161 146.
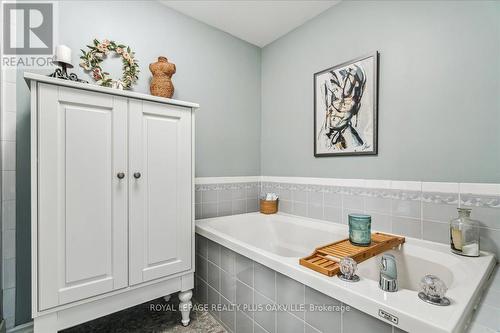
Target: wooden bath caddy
pixel 321 260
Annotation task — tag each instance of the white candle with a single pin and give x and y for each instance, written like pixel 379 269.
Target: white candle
pixel 63 54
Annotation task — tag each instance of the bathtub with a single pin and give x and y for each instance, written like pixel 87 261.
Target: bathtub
pixel 278 241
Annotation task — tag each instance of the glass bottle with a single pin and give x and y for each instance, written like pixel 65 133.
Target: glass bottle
pixel 464 234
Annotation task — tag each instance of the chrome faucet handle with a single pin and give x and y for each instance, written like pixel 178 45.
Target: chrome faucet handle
pixel 348 268
pixel 433 290
pixel 388 266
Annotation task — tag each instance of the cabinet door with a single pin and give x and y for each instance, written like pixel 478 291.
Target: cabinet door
pixel 160 205
pixel 82 204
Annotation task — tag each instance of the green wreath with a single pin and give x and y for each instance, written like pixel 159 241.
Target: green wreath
pixel 91 61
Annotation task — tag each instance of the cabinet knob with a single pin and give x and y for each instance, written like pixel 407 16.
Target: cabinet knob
pixel 120 175
pixel 137 175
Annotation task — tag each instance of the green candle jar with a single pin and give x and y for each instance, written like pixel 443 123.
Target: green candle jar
pixel 360 229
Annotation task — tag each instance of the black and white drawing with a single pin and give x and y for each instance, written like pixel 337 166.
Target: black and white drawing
pixel 345 108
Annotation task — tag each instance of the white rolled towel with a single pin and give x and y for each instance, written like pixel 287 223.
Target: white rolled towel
pixel 271 197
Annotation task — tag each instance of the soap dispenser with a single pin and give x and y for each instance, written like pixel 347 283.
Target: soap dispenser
pixel 464 234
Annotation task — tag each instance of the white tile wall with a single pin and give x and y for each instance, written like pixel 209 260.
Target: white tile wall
pixel 8 125
pixel 8 215
pixel 9 299
pixel 9 244
pixel 8 185
pixel 9 75
pixel 9 273
pixel 8 155
pixel 440 187
pixel 9 102
pixel 8 192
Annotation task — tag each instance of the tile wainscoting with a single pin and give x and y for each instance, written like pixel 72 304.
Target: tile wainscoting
pixel 247 297
pixel 414 209
pixel 221 199
pixel 8 116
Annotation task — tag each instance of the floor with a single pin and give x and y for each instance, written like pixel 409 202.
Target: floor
pixel 143 319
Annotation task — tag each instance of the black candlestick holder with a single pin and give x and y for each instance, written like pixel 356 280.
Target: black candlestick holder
pixel 62 73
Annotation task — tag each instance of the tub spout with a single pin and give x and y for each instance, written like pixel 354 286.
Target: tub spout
pixel 388 273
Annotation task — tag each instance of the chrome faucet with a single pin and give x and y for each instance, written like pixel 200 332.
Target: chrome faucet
pixel 388 273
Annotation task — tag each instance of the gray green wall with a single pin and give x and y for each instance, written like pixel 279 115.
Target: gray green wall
pixel 439 93
pixel 214 69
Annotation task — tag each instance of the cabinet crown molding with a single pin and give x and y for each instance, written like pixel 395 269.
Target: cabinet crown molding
pixel 112 91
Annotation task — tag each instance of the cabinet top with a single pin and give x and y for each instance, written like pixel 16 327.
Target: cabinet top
pixel 92 87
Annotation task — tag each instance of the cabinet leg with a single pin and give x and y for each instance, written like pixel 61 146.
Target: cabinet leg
pixel 185 306
pixel 166 298
pixel 45 324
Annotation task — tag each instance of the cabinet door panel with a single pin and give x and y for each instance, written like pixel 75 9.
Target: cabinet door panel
pixel 160 200
pixel 82 239
pixel 87 153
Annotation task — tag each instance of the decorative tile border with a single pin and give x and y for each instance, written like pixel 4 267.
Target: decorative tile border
pixel 476 200
pixel 440 198
pixel 226 186
pixel 472 194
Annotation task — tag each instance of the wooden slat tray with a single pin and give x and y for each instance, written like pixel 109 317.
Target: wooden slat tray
pixel 320 262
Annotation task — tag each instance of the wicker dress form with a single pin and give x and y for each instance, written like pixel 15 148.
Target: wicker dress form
pixel 161 83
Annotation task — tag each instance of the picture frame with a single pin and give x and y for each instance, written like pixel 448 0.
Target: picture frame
pixel 346 108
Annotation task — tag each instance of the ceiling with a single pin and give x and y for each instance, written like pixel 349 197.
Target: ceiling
pixel 258 22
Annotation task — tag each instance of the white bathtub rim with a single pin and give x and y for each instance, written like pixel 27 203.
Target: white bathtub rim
pixel 343 291
pixel 305 276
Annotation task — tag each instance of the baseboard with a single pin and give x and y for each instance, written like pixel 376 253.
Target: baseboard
pixel 24 328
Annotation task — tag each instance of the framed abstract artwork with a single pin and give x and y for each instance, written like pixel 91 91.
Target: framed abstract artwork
pixel 345 108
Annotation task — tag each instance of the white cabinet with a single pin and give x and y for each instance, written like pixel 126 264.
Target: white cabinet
pixel 112 201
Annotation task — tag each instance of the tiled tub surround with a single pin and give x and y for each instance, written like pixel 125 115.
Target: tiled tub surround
pixel 222 199
pixel 265 301
pixel 415 209
pixel 277 242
